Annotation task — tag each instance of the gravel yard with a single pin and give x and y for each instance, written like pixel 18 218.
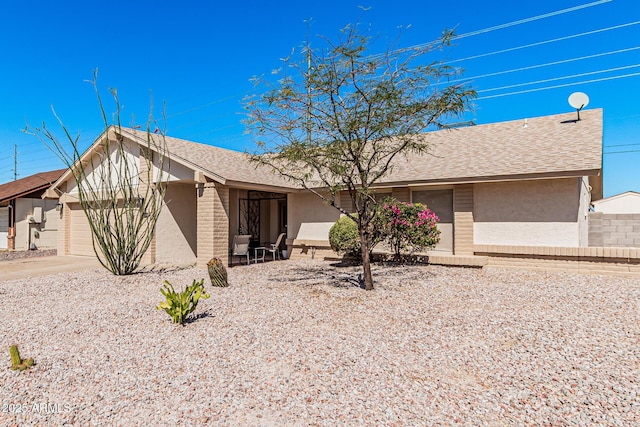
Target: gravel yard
pixel 14 255
pixel 297 343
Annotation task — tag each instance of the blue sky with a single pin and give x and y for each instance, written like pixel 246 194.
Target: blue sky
pixel 198 57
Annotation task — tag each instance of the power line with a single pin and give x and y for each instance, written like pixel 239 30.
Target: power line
pixel 507 25
pixel 534 18
pixel 621 152
pixel 39 159
pixel 465 35
pixel 559 86
pixel 548 64
pixel 208 104
pixel 560 78
pixel 511 49
pixel 621 145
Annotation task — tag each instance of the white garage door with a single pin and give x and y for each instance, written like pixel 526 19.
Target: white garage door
pixel 4 227
pixel 80 232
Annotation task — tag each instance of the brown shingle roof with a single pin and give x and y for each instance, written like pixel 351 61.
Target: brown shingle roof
pixel 554 145
pixel 226 164
pixel 549 145
pixel 25 186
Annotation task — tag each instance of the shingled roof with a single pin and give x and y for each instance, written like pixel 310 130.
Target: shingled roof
pixel 555 145
pixel 28 185
pixel 548 146
pixel 228 166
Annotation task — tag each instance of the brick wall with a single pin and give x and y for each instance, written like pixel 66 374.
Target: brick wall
pixel 463 220
pixel 614 230
pixel 213 223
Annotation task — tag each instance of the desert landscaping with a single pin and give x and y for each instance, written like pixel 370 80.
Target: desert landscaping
pixel 299 343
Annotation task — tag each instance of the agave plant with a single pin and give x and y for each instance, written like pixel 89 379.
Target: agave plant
pixel 180 304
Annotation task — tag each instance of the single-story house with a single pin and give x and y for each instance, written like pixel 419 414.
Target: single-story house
pixel 623 203
pixel 518 183
pixel 26 220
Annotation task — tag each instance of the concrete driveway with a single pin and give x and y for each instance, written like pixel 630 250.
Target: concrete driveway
pixel 42 266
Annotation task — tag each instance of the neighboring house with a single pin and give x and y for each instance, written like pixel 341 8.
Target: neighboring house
pixel 615 221
pixel 623 203
pixel 501 185
pixel 26 220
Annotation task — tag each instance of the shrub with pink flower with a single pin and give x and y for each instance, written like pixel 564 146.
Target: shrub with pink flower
pixel 408 227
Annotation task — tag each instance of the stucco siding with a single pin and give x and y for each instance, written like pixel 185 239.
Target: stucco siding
pixel 528 213
pixel 96 172
pixel 583 213
pixel 309 217
pixel 626 203
pixel 176 232
pixel 43 234
pixel 171 170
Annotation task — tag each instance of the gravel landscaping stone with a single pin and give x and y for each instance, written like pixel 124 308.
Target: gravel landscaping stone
pixel 14 255
pixel 299 343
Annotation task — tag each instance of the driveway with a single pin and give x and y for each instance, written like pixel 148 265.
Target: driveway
pixel 42 266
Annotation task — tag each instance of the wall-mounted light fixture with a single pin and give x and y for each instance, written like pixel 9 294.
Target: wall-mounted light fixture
pixel 58 207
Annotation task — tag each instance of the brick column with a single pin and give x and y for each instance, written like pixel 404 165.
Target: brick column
pixel 64 228
pixel 212 222
pixel 463 219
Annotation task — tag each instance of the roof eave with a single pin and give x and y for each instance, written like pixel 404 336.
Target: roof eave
pixel 184 162
pixel 483 179
pixel 24 193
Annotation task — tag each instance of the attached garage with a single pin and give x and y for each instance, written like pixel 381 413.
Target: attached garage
pixel 79 232
pixel 4 227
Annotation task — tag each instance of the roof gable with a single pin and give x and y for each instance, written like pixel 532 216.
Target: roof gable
pixel 625 195
pixel 547 146
pixel 28 185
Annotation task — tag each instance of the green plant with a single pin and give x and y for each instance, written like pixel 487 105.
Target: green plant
pixel 121 195
pixel 180 304
pixel 344 237
pixel 217 273
pixel 407 226
pixel 339 114
pixel 17 363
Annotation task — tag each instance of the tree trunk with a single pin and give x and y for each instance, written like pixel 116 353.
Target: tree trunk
pixel 365 245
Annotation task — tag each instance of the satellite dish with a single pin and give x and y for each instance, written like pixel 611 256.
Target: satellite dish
pixel 578 100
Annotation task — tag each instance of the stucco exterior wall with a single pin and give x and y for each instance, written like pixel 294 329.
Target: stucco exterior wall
pixel 308 214
pixel 176 229
pixel 583 213
pixel 96 172
pixel 628 203
pixel 43 234
pixel 528 213
pixel 171 170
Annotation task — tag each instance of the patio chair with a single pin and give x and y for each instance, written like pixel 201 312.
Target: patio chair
pixel 240 247
pixel 275 247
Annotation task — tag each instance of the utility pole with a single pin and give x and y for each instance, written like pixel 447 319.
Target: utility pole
pixel 15 162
